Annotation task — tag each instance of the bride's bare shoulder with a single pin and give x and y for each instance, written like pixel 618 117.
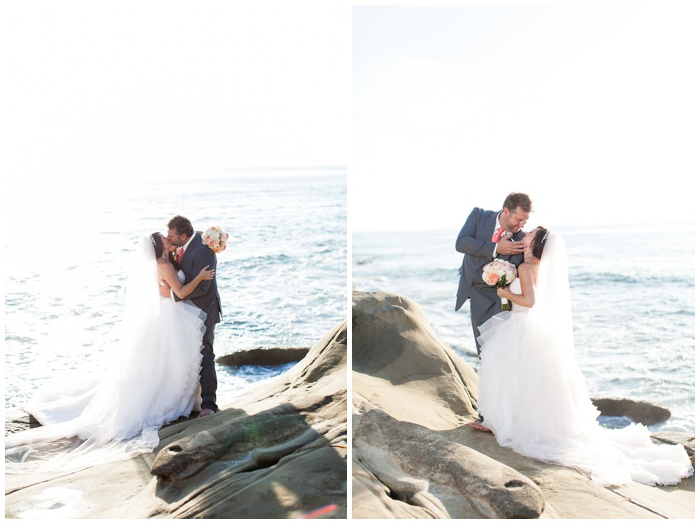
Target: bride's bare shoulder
pixel 525 266
pixel 526 269
pixel 164 265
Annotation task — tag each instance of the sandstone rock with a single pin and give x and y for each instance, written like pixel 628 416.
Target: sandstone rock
pixel 263 357
pixel 378 502
pixel 639 411
pixel 448 480
pixel 276 451
pixel 18 420
pixel 393 344
pixel 412 399
pixel 253 442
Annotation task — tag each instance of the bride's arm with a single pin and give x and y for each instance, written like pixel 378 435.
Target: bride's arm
pixel 527 287
pixel 169 275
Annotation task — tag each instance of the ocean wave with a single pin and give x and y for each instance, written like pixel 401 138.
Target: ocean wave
pixel 259 261
pixel 577 278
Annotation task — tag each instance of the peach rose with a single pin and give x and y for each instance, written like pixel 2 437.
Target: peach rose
pixel 492 279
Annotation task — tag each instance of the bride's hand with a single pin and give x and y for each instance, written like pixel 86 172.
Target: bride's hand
pixel 502 291
pixel 164 289
pixel 206 273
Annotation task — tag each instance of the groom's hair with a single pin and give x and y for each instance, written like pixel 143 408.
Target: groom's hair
pixel 181 225
pixel 518 200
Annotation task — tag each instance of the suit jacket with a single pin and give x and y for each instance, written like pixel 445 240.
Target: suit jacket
pixel 206 295
pixel 474 240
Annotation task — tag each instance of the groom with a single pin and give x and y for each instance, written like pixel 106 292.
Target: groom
pixel 192 256
pixel 487 235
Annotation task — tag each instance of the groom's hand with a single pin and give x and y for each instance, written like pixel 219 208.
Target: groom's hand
pixel 508 247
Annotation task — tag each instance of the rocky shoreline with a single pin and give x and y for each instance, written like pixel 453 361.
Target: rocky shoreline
pixel 277 451
pixel 280 450
pixel 414 456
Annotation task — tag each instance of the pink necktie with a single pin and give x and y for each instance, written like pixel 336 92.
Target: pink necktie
pixel 180 252
pixel 497 235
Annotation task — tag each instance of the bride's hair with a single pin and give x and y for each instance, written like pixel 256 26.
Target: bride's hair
pixel 157 244
pixel 539 241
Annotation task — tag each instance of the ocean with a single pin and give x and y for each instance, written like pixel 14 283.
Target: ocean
pixel 633 304
pixel 282 279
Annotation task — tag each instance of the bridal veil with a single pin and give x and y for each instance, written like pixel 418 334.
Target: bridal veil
pixel 533 396
pixel 151 380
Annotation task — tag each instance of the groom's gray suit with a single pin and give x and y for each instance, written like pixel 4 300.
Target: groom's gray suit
pixel 206 297
pixel 474 240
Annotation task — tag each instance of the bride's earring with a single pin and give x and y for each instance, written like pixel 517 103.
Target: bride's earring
pixel 528 255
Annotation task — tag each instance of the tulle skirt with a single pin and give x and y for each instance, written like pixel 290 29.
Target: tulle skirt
pixel 534 399
pixel 152 379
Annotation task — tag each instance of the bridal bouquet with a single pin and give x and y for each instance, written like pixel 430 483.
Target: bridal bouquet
pixel 500 273
pixel 215 238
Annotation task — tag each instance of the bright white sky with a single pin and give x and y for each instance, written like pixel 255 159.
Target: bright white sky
pixel 592 110
pixel 133 89
pixel 98 95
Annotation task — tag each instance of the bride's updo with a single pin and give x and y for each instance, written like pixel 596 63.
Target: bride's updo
pixel 539 241
pixel 157 244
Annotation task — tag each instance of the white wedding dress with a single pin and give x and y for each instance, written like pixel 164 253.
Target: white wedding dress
pixel 152 379
pixel 533 397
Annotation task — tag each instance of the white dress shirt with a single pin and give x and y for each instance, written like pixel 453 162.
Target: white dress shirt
pixel 184 248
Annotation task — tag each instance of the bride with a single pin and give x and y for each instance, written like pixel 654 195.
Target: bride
pixel 533 396
pixel 153 378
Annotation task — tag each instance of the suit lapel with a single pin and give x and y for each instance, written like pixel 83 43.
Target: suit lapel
pixel 490 225
pixel 185 263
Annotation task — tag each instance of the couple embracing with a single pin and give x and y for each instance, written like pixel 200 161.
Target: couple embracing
pixel 163 367
pixel 532 396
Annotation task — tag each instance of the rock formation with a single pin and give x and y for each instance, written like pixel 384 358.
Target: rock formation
pixel 263 357
pixel 276 451
pixel 415 457
pixel 642 412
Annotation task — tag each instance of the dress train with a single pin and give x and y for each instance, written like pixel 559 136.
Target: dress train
pixel 534 399
pixel 152 380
